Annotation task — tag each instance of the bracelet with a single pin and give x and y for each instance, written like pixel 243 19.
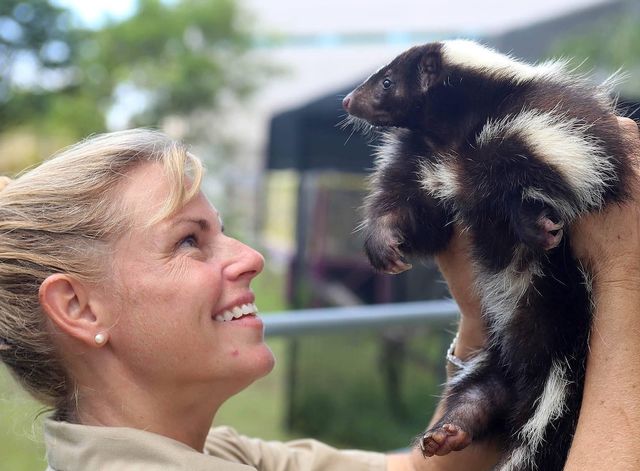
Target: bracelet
pixel 451 358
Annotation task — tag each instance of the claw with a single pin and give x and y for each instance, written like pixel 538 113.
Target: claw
pixel 398 267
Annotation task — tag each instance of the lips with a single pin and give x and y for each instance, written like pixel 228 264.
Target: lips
pixel 236 312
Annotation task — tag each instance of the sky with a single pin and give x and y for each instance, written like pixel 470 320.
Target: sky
pixel 357 16
pixel 93 12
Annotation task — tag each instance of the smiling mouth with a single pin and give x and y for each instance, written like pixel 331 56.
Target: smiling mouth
pixel 237 312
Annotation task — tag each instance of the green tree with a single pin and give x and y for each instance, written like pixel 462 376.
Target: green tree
pixel 614 45
pixel 168 59
pixel 37 51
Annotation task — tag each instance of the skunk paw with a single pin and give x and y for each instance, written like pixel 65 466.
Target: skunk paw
pixel 538 226
pixel 382 246
pixel 443 439
pixel 551 232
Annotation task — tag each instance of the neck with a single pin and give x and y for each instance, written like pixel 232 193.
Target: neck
pixel 182 413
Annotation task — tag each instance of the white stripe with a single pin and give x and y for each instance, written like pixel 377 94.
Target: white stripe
pixel 565 144
pixel 501 292
pixel 549 407
pixel 472 55
pixel 388 149
pixel 439 178
pixel 519 458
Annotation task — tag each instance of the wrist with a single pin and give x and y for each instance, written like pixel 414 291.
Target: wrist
pixel 464 345
pixel 612 278
pixel 470 337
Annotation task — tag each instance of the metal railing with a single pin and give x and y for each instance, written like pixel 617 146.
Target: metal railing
pixel 374 316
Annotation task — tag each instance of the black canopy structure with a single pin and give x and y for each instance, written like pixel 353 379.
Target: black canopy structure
pixel 309 138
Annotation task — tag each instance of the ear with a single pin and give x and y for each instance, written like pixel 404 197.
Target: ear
pixel 429 68
pixel 66 301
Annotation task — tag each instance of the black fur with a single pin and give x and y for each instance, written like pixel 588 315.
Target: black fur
pixel 516 194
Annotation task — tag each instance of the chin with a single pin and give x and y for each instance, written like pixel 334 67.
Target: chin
pixel 261 367
pixel 266 362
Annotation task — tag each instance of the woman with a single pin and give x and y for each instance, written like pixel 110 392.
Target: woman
pixel 125 307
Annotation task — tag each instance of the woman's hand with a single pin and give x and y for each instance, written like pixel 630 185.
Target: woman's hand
pixel 609 244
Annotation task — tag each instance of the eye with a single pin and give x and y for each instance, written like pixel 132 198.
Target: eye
pixel 190 241
pixel 386 84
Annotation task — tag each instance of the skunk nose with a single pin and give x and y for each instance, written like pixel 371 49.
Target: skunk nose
pixel 346 101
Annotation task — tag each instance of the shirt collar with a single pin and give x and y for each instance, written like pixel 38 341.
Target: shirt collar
pixel 73 447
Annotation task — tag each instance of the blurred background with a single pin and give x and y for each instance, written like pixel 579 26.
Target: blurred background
pixel 255 88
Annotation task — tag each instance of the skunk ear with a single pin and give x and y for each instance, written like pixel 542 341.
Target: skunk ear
pixel 429 68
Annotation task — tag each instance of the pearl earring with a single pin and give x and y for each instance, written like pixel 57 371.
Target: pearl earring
pixel 100 338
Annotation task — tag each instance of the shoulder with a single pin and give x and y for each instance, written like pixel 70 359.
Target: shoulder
pixel 73 447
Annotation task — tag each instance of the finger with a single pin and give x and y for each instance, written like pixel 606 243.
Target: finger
pixel 629 126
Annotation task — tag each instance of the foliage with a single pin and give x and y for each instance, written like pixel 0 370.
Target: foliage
pixel 37 50
pixel 614 45
pixel 167 59
pixel 181 58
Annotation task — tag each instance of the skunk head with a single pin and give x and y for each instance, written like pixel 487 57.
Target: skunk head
pixel 391 95
pixel 441 88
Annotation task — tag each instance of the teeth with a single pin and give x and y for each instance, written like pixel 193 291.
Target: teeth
pixel 235 312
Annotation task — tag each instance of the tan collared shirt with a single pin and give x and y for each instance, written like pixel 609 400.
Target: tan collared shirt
pixel 72 447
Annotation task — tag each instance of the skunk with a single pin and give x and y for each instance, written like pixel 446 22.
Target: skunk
pixel 513 153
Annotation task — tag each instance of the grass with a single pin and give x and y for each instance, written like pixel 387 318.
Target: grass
pixel 343 395
pixel 21 444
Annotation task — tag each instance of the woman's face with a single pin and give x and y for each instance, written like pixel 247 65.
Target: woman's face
pixel 171 286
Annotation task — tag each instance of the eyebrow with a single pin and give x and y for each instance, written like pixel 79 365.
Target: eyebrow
pixel 203 224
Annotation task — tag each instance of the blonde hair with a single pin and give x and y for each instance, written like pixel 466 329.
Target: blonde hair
pixel 60 218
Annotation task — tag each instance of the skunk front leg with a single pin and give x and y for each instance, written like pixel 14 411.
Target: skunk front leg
pixel 401 218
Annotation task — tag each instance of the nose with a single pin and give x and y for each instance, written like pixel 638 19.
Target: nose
pixel 346 101
pixel 247 262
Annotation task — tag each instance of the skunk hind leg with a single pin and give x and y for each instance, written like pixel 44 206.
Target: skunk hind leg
pixel 444 439
pixel 475 401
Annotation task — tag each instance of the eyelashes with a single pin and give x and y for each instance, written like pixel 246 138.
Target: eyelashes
pixel 189 241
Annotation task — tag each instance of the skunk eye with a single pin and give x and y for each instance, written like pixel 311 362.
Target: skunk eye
pixel 386 84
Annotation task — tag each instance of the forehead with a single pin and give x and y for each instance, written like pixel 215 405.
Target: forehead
pixel 144 186
pixel 145 193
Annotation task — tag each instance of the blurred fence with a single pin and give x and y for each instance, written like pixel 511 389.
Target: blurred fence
pixel 376 316
pixel 366 376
